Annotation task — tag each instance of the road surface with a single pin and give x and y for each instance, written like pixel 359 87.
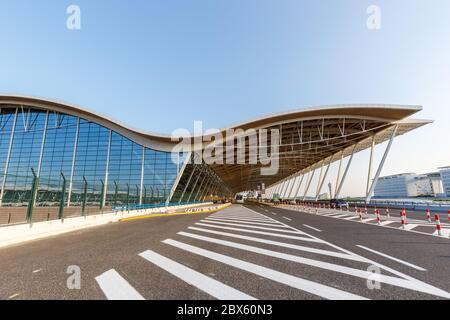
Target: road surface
pixel 243 252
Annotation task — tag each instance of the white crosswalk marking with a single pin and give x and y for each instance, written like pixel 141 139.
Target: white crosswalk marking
pixel 315 263
pixel 280 244
pixel 209 285
pixel 248 222
pixel 250 226
pixel 289 280
pixel 116 288
pixel 260 232
pixel 256 218
pixel 259 235
pixel 393 258
pixel 242 219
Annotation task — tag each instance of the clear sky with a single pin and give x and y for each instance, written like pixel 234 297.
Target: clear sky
pixel 159 65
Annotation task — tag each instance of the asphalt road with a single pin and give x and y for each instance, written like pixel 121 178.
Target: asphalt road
pixel 242 252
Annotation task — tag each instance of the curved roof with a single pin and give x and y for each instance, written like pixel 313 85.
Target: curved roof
pixel 344 126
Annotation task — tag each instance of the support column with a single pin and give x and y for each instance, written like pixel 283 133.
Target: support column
pixel 288 187
pixel 309 183
pixel 323 179
pixel 369 173
pixel 293 185
pixel 201 185
pixel 320 179
pixel 345 173
pixel 380 167
pixel 74 157
pixel 338 178
pixel 141 190
pixel 108 156
pixel 8 157
pixel 299 185
pixel 194 167
pixel 193 188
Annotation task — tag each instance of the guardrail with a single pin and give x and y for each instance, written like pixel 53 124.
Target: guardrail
pixel 392 204
pixel 155 205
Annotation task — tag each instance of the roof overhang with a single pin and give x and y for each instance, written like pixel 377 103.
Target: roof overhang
pixel 308 137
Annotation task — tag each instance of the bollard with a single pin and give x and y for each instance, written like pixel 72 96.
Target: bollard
pixel 387 212
pixel 360 215
pixel 448 212
pixel 403 219
pixel 428 215
pixel 438 224
pixel 378 217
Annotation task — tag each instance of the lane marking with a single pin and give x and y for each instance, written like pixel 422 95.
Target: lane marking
pixel 209 285
pixel 287 219
pixel 14 295
pixel 250 226
pixel 314 263
pixel 368 220
pixel 117 288
pixel 351 218
pixel 385 223
pixel 280 244
pixel 237 216
pixel 392 258
pixel 248 222
pixel 423 286
pixel 240 218
pixel 37 270
pixel 315 229
pixel 445 233
pixel 261 232
pixel 410 226
pixel 341 216
pixel 286 279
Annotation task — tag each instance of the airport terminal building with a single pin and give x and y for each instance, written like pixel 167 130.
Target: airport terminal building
pixel 59 160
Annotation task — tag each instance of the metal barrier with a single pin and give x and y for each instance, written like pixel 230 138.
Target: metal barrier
pixel 155 205
pixel 33 198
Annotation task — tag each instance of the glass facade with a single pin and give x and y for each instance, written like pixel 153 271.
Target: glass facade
pixel 90 159
pixel 55 165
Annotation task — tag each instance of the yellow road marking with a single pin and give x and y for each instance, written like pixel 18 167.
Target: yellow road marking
pixel 171 214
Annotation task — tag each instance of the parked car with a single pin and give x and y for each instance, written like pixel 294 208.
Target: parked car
pixel 339 204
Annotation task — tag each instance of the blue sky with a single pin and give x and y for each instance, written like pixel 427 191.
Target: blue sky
pixel 160 65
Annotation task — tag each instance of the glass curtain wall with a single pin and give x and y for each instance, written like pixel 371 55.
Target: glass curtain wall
pixel 78 162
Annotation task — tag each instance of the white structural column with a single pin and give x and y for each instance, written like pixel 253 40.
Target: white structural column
pixel 297 190
pixel 295 180
pixel 380 167
pixel 321 181
pixel 338 192
pixel 180 173
pixel 288 188
pixel 74 157
pixel 8 157
pixel 311 176
pixel 41 154
pixel 108 156
pixel 338 175
pixel 141 186
pixel 369 173
pixel 283 188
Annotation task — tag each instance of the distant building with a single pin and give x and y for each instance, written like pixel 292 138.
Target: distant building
pixel 405 185
pixel 445 177
pixel 436 183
